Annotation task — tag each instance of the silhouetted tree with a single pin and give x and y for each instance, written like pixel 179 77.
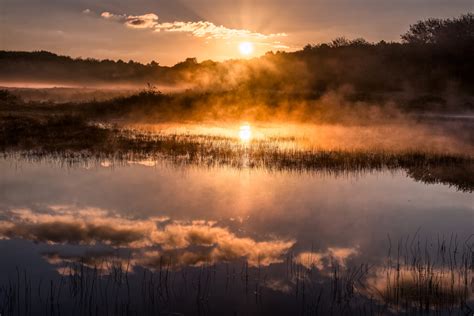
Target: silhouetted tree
pixel 441 57
pixel 340 42
pixel 359 42
pixel 438 31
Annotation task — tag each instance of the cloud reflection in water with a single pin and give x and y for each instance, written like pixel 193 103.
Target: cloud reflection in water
pixel 182 242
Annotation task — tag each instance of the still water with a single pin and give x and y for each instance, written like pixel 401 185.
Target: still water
pixel 150 237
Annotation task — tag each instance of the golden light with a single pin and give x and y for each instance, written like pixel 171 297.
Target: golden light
pixel 245 133
pixel 246 48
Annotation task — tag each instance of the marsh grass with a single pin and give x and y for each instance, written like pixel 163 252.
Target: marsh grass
pixel 418 277
pixel 74 140
pixel 424 277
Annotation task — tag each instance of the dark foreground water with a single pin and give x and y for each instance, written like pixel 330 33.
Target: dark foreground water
pixel 147 237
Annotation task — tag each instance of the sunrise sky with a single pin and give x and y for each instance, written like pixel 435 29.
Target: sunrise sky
pixel 170 31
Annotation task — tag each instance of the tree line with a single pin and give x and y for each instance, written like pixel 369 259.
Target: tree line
pixel 433 55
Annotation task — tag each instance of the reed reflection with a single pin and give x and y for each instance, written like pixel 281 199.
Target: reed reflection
pixel 434 281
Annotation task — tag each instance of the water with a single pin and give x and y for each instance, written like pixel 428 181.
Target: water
pixel 220 240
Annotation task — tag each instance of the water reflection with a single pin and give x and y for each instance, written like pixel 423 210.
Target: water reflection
pixel 324 261
pixel 433 156
pixel 426 275
pixel 423 287
pixel 145 237
pixel 307 282
pixel 68 225
pixel 441 137
pixel 245 133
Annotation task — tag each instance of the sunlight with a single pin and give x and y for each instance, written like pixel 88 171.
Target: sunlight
pixel 246 48
pixel 245 133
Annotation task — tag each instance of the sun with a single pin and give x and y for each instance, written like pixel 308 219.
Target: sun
pixel 245 133
pixel 246 48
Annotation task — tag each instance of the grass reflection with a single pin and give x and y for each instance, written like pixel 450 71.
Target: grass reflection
pixel 419 280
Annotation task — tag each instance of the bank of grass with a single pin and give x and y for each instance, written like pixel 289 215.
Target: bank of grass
pixel 73 138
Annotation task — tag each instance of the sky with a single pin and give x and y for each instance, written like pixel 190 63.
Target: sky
pixel 169 31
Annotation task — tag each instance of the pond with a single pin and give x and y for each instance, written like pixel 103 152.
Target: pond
pixel 154 237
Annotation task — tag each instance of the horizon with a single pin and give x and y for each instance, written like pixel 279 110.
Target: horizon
pixel 155 160
pixel 207 30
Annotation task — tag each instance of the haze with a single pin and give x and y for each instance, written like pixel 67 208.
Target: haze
pixel 78 28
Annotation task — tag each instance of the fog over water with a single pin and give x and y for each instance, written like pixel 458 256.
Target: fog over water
pixel 334 178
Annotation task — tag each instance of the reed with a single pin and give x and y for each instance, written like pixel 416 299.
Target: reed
pixel 76 142
pixel 421 277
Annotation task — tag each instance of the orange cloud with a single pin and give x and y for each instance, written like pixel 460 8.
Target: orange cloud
pixel 421 285
pixel 149 239
pixel 203 29
pixel 325 259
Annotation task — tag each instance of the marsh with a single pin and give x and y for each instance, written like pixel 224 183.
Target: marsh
pixel 336 179
pixel 134 217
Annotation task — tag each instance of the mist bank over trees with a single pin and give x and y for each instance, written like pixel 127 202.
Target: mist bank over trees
pixel 434 58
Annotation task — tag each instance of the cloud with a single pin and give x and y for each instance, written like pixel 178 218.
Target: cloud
pixel 420 285
pixel 204 29
pixel 186 243
pixel 211 31
pixel 66 225
pixel 103 261
pixel 325 259
pixel 279 285
pixel 280 46
pixel 108 15
pixel 217 245
pixel 142 21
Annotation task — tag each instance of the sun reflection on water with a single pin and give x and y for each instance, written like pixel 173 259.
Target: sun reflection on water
pixel 245 133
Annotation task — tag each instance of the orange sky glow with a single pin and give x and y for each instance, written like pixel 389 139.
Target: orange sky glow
pixel 170 31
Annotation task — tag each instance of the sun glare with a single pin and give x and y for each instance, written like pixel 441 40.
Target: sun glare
pixel 246 48
pixel 245 133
